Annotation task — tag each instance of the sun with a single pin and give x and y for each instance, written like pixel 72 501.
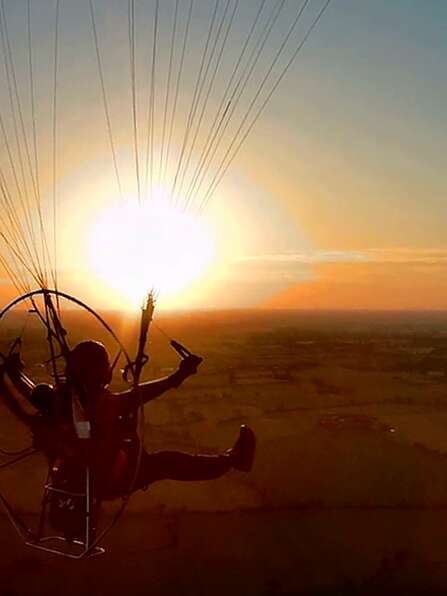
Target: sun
pixel 137 247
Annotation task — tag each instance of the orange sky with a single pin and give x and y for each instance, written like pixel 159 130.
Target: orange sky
pixel 369 286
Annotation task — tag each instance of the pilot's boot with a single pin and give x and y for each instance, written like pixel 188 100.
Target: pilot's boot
pixel 243 452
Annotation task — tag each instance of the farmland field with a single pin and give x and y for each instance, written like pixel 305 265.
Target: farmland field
pixel 349 487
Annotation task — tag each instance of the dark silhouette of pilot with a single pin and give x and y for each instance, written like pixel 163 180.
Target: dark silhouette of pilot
pixel 83 420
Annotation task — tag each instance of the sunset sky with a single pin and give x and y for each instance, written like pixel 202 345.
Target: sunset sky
pixel 337 198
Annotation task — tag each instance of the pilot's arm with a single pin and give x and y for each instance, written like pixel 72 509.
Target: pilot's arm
pixel 13 366
pixel 153 389
pixel 16 388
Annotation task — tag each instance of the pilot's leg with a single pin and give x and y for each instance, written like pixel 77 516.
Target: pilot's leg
pixel 175 465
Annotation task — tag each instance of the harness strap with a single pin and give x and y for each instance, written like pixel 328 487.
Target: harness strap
pixel 80 420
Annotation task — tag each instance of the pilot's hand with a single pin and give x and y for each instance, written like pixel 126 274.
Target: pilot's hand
pixel 188 366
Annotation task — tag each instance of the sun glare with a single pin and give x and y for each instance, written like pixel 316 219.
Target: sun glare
pixel 138 247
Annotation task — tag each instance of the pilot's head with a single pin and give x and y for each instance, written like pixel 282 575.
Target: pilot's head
pixel 88 366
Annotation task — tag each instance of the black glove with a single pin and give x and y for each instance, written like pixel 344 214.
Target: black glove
pixel 188 366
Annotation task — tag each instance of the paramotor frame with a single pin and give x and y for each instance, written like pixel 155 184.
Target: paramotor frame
pixel 60 544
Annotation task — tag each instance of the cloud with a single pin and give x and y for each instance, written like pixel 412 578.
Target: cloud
pixel 414 256
pixel 398 280
pixel 371 255
pixel 308 257
pixel 285 268
pixel 380 278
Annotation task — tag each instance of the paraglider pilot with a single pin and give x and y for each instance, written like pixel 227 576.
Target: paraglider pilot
pixel 58 423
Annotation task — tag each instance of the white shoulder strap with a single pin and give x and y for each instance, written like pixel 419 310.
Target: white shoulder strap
pixel 81 422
